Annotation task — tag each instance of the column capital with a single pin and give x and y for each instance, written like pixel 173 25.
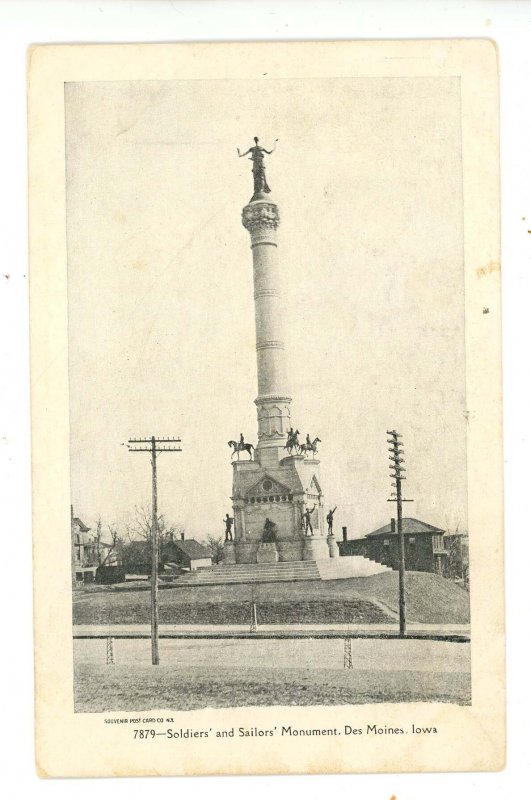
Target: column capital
pixel 260 217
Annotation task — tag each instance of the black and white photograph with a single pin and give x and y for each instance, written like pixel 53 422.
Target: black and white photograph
pixel 273 434
pixel 282 574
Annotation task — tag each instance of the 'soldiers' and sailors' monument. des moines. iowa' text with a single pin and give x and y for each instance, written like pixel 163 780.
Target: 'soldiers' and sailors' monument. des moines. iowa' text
pixel 276 493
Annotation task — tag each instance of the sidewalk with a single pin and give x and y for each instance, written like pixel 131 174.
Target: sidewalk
pixel 284 631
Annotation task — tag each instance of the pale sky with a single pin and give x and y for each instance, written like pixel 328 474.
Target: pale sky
pixel 367 175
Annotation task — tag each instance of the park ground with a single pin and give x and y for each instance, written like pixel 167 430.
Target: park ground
pixel 200 672
pixel 429 599
pixel 211 673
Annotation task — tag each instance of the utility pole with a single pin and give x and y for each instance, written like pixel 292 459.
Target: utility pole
pixel 154 445
pixel 396 475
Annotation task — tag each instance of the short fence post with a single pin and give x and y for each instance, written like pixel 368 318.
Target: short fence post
pixel 254 623
pixel 347 653
pixel 110 650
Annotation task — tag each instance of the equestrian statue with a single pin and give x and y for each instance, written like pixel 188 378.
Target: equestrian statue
pixel 239 447
pixel 309 446
pixel 293 443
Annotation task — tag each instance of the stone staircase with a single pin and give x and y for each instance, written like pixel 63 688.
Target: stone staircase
pixel 331 569
pixel 252 573
pixel 334 569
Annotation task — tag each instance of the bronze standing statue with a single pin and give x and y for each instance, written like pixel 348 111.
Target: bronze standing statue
pixel 257 157
pixel 228 527
pixel 330 520
pixel 307 517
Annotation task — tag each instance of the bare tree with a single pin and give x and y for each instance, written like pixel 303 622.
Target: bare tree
pixel 140 527
pixel 99 526
pixel 456 543
pixel 215 546
pixel 113 533
pixel 458 558
pixel 114 550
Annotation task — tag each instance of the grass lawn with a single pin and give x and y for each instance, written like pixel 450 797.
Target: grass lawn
pixel 99 688
pixel 429 598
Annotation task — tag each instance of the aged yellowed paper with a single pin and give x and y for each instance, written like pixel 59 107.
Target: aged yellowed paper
pixel 293 249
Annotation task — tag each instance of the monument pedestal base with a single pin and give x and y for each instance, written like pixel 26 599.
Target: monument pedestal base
pixel 246 552
pixel 315 549
pixel 267 553
pixel 332 546
pixel 277 491
pixel 290 549
pixel 229 556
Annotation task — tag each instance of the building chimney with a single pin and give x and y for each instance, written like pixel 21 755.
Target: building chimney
pixel 344 529
pixel 393 526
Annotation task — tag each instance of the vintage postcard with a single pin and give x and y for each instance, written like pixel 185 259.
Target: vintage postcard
pixel 266 392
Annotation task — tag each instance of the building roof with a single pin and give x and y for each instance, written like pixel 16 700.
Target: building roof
pixel 409 525
pixel 192 548
pixel 82 527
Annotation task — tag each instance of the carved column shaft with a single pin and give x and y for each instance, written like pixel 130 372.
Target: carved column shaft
pixel 261 219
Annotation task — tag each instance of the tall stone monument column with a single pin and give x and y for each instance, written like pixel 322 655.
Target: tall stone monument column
pixel 261 218
pixel 276 496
